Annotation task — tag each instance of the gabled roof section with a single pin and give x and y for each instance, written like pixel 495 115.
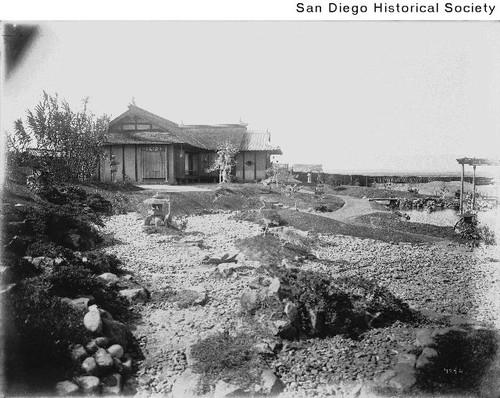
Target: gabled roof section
pixel 209 137
pixel 169 132
pixel 134 110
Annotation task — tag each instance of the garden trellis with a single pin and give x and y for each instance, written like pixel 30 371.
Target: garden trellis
pixel 472 162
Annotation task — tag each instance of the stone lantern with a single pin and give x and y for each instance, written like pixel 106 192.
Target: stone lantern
pixel 159 210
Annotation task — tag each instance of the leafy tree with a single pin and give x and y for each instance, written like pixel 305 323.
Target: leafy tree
pixel 59 141
pixel 224 162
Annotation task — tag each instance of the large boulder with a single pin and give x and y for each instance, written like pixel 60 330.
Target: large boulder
pixel 116 351
pixel 424 337
pixel 271 384
pixel 89 366
pixel 404 380
pixel 284 329
pixel 223 390
pixel 249 300
pixel 187 385
pixel 66 388
pixel 80 304
pixel 426 357
pixel 102 341
pixel 318 321
pixel 137 295
pixel 195 295
pixel 104 360
pixel 92 321
pixel 190 358
pixel 90 385
pixel 109 278
pixel 78 353
pixel 292 312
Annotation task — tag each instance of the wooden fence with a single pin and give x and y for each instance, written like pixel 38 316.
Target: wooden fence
pixel 367 181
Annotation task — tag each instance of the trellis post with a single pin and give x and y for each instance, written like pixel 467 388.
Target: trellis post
pixel 473 187
pixel 473 162
pixel 462 190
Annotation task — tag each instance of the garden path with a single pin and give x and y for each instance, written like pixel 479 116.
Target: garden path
pixel 352 208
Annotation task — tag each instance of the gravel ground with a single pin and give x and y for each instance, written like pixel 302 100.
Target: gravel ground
pixel 445 278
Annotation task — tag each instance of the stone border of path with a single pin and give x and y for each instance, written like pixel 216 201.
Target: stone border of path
pixel 175 188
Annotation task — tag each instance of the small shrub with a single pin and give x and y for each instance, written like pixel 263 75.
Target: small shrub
pixel 74 194
pixel 375 303
pixel 47 249
pixel 100 205
pixel 229 358
pixel 475 233
pixel 347 305
pixel 274 217
pixel 24 269
pixel 323 208
pixel 315 292
pixel 121 203
pixel 53 195
pixel 65 226
pixel 74 281
pixel 180 222
pixel 99 262
pixel 486 234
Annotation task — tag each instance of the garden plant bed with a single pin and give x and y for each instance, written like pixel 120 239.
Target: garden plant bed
pixel 391 221
pixel 196 296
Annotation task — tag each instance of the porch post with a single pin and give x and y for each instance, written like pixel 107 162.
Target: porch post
pixel 166 163
pixel 473 187
pixel 243 162
pixel 136 160
pixel 255 165
pixel 462 191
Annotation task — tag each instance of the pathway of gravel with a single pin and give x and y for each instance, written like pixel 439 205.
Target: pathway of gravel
pixel 445 279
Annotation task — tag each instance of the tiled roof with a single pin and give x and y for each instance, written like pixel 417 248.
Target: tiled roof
pixel 200 136
pixel 212 137
pixel 253 141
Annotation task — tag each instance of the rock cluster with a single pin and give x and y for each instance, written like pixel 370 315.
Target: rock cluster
pixel 103 360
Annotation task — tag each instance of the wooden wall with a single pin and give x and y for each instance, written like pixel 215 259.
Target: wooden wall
pixel 251 165
pixel 130 163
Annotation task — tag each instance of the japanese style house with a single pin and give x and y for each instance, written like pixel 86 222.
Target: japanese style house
pixel 146 148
